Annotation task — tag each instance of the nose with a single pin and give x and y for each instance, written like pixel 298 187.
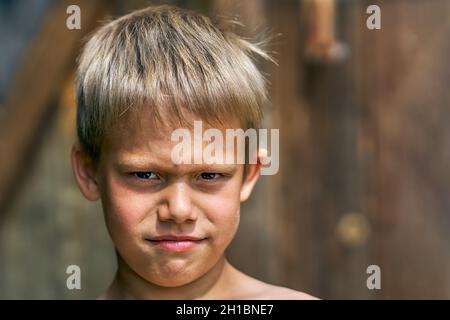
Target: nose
pixel 178 206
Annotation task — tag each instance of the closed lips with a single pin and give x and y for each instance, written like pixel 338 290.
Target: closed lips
pixel 172 243
pixel 175 238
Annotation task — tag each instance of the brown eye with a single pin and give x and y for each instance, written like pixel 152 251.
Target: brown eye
pixel 209 175
pixel 145 175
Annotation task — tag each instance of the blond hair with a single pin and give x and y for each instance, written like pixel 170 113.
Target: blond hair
pixel 170 60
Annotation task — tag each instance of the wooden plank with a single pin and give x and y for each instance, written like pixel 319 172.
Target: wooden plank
pixel 318 186
pixel 44 68
pixel 404 81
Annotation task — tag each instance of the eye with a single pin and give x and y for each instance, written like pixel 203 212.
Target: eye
pixel 210 175
pixel 146 175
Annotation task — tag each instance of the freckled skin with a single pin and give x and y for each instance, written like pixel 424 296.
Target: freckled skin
pixel 176 199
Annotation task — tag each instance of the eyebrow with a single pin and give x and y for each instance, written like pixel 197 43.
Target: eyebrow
pixel 145 164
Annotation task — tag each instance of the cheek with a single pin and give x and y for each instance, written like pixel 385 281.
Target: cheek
pixel 223 210
pixel 124 209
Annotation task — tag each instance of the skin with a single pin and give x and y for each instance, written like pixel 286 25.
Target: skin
pixel 144 194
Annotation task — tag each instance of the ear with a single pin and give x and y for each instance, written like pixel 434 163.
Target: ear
pixel 84 172
pixel 251 176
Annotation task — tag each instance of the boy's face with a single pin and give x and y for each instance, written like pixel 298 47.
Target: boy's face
pixel 145 197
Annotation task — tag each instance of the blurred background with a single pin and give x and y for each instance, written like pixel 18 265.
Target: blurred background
pixel 364 149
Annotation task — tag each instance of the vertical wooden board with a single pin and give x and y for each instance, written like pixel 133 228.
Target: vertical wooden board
pixel 405 75
pixel 293 187
pixel 46 63
pixel 51 226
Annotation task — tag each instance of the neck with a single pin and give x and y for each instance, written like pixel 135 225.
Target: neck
pixel 215 284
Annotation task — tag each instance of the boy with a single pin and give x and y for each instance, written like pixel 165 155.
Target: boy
pixel 140 78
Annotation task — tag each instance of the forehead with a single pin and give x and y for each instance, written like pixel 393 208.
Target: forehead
pixel 140 138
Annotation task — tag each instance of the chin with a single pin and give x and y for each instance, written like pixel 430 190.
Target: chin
pixel 172 274
pixel 172 282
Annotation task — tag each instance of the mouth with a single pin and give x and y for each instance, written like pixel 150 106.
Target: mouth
pixel 173 243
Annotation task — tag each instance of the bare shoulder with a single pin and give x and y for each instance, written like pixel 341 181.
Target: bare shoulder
pixel 259 290
pixel 282 293
pixel 271 292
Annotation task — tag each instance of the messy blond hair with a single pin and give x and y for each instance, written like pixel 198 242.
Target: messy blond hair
pixel 166 59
